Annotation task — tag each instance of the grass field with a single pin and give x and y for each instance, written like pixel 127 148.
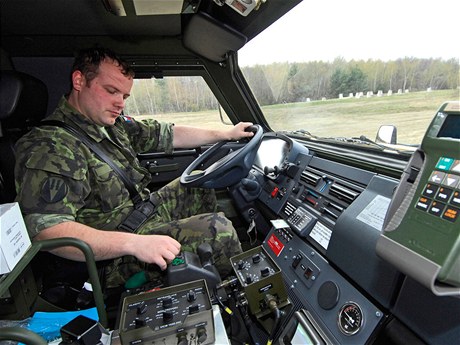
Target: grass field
pixel 411 113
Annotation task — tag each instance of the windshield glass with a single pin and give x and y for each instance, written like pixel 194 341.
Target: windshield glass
pixel 336 69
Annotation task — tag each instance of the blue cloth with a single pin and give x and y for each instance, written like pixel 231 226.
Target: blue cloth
pixel 48 324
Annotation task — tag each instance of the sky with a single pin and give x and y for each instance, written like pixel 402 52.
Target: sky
pixel 359 29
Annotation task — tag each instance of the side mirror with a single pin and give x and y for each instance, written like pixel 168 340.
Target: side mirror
pixel 386 135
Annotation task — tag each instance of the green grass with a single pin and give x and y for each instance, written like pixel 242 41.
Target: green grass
pixel 411 113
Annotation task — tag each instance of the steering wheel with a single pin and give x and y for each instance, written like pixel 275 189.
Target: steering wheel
pixel 226 171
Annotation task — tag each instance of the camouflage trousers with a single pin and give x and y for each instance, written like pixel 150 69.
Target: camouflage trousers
pixel 190 216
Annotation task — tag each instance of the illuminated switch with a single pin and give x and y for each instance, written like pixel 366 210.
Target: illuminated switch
pixel 436 208
pixel 430 190
pixel 451 213
pixel 274 192
pixel 444 194
pixel 444 163
pixel 423 204
pixel 455 199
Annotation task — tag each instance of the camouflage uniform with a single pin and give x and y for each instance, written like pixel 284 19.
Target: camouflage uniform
pixel 58 179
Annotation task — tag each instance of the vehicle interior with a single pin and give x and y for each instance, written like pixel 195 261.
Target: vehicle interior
pixel 347 240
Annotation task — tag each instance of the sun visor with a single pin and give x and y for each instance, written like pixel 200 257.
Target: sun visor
pixel 210 38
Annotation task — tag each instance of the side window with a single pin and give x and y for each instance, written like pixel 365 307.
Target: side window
pixel 181 100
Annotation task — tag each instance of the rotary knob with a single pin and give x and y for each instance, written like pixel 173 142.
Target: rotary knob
pixel 191 296
pixel 167 316
pixel 167 302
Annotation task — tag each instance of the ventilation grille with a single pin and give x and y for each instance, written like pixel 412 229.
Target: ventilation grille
pixel 343 193
pixel 289 209
pixel 310 177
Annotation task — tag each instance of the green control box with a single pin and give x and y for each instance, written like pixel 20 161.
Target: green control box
pixel 427 221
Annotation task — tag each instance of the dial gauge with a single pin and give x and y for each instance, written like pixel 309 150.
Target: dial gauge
pixel 350 318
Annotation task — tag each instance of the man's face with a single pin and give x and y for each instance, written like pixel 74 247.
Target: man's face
pixel 103 98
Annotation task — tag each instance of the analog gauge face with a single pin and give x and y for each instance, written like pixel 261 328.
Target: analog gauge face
pixel 350 318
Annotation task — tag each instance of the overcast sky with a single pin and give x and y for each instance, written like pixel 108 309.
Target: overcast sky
pixel 359 29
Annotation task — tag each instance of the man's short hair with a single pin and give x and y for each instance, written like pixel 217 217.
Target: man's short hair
pixel 87 61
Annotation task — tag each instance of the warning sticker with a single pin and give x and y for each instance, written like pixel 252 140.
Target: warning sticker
pixel 275 245
pixel 374 213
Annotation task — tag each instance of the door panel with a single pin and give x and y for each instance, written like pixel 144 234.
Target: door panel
pixel 165 168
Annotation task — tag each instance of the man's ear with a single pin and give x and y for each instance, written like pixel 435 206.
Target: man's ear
pixel 78 79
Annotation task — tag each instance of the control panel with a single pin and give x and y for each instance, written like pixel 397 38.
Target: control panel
pixel 338 312
pixel 441 194
pixel 180 314
pixel 259 277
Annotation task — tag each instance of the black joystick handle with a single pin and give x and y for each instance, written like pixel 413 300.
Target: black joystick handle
pixel 204 252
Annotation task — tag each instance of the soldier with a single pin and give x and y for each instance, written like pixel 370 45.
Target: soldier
pixel 65 190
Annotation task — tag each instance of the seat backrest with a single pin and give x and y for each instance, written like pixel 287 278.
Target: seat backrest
pixel 23 103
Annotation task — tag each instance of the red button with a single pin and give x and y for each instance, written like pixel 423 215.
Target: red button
pixel 275 192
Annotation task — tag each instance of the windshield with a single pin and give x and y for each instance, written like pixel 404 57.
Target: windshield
pixel 334 69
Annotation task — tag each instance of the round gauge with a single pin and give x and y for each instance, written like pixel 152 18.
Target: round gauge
pixel 350 318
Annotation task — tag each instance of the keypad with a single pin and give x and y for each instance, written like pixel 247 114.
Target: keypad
pixel 441 195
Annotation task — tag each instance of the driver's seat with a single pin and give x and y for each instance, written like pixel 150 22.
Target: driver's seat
pixel 23 103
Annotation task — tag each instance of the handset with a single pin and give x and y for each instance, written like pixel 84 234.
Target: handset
pixel 421 234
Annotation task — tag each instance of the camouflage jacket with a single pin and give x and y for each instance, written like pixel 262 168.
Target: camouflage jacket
pixel 58 178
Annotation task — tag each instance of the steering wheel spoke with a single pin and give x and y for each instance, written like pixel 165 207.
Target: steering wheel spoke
pixel 226 171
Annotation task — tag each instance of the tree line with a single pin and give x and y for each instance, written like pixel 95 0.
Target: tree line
pixel 297 82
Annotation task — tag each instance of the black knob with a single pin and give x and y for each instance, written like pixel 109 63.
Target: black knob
pixel 167 316
pixel 256 258
pixel 193 309
pixel 191 296
pixel 167 302
pixel 138 323
pixel 265 272
pixel 248 279
pixel 250 185
pixel 241 264
pixel 141 308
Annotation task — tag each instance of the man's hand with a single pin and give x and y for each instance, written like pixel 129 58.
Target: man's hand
pixel 152 249
pixel 157 249
pixel 238 131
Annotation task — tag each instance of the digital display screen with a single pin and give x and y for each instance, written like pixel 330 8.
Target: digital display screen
pixel 450 128
pixel 271 153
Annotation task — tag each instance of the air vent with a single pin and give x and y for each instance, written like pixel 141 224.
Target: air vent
pixel 343 193
pixel 310 178
pixel 289 209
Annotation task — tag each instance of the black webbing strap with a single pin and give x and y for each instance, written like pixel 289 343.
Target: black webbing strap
pixel 93 145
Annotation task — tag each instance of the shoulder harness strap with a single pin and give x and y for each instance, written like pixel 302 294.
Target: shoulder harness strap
pixel 93 145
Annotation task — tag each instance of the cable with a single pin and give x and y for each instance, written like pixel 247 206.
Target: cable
pixel 222 305
pixel 273 305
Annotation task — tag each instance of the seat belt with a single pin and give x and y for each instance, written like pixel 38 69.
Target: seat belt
pixel 93 145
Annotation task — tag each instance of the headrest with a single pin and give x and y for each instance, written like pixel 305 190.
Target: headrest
pixel 23 99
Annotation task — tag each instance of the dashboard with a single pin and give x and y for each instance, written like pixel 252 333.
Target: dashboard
pixel 321 221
